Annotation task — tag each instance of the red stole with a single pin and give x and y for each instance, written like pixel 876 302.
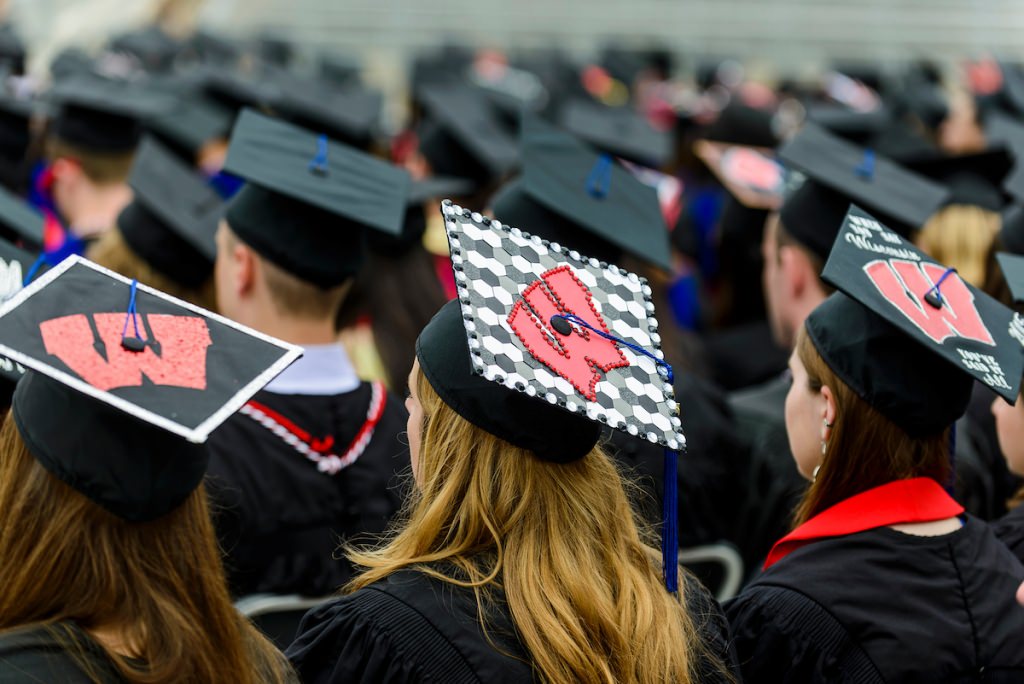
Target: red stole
pixel 917 500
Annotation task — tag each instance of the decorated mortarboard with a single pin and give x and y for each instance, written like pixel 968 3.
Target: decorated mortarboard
pixel 620 131
pixel 462 135
pixel 976 179
pixel 349 115
pixel 894 302
pixel 173 216
pixel 571 195
pixel 20 223
pixel 751 175
pixel 308 199
pixel 1006 130
pixel 1012 266
pixel 17 268
pixel 193 122
pixel 124 383
pixel 103 114
pixel 544 346
pixel 836 173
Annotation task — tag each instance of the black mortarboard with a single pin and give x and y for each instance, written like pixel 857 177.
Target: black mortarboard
pixel 1011 234
pixel 462 135
pixel 750 175
pixel 340 69
pixel 213 47
pixel 839 173
pixel 1004 129
pixel 573 196
pixel 275 47
pixel 414 225
pixel 1012 266
pixel 233 89
pixel 544 346
pixel 856 126
pixel 928 103
pixel 351 115
pixel 620 131
pixel 124 384
pixel 308 199
pixel 895 301
pixel 72 62
pixel 173 216
pixel 975 179
pixel 194 121
pixel 101 114
pixel 739 124
pixel 20 223
pixel 151 46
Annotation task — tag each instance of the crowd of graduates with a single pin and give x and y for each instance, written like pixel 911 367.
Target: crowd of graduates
pixel 633 305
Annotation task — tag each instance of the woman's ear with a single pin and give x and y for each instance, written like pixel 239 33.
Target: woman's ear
pixel 828 406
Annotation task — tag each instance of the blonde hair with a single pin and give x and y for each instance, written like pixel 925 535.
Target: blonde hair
pixel 113 252
pixel 560 540
pixel 960 237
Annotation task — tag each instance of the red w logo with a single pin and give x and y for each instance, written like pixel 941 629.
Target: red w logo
pixel 580 356
pixel 181 363
pixel 904 284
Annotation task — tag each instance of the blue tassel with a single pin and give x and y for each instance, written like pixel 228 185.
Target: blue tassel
pixel 34 269
pixel 599 182
pixel 866 170
pixel 318 164
pixel 670 522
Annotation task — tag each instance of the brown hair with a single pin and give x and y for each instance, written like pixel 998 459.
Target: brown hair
pixel 561 540
pixel 960 236
pixel 159 583
pixel 113 252
pixel 865 449
pixel 102 168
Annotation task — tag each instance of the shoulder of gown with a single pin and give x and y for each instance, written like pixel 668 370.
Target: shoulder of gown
pixel 781 635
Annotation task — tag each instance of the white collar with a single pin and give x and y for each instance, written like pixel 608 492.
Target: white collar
pixel 322 370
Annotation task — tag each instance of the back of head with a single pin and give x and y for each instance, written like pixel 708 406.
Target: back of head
pixel 157 583
pixel 961 236
pixel 101 167
pixel 867 449
pixel 561 540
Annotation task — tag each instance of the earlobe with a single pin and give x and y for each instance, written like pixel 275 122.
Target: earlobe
pixel 829 406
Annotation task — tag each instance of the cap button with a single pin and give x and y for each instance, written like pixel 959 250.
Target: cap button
pixel 561 325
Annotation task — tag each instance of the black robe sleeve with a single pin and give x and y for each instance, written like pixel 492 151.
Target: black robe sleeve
pixel 783 636
pixel 339 642
pixel 718 658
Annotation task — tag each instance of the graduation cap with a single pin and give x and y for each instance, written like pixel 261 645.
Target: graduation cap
pixel 751 175
pixel 571 195
pixel 151 46
pixel 838 173
pixel 620 131
pixel 339 69
pixel 20 223
pixel 124 383
pixel 235 90
pixel 15 127
pixel 195 121
pixel 307 199
pixel 414 225
pixel 350 115
pixel 72 62
pixel 739 124
pixel 102 114
pixel 462 135
pixel 894 302
pixel 976 179
pixel 1003 129
pixel 1012 266
pixel 173 217
pixel 856 126
pixel 544 346
pixel 17 267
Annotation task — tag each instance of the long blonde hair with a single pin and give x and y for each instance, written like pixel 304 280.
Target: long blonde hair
pixel 160 583
pixel 561 540
pixel 960 236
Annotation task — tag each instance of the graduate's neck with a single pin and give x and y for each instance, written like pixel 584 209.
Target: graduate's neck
pixel 92 213
pixel 300 331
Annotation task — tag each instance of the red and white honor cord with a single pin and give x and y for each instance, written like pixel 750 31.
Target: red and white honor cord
pixel 320 451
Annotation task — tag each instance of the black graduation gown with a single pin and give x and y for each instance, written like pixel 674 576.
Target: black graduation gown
pixel 411 627
pixel 882 606
pixel 1010 530
pixel 280 520
pixel 34 655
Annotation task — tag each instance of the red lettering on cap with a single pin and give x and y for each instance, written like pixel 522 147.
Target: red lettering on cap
pixel 905 283
pixel 181 363
pixel 579 357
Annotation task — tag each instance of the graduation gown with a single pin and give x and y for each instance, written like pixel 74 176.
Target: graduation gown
pixel 878 605
pixel 1010 530
pixel 302 468
pixel 411 627
pixel 34 655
